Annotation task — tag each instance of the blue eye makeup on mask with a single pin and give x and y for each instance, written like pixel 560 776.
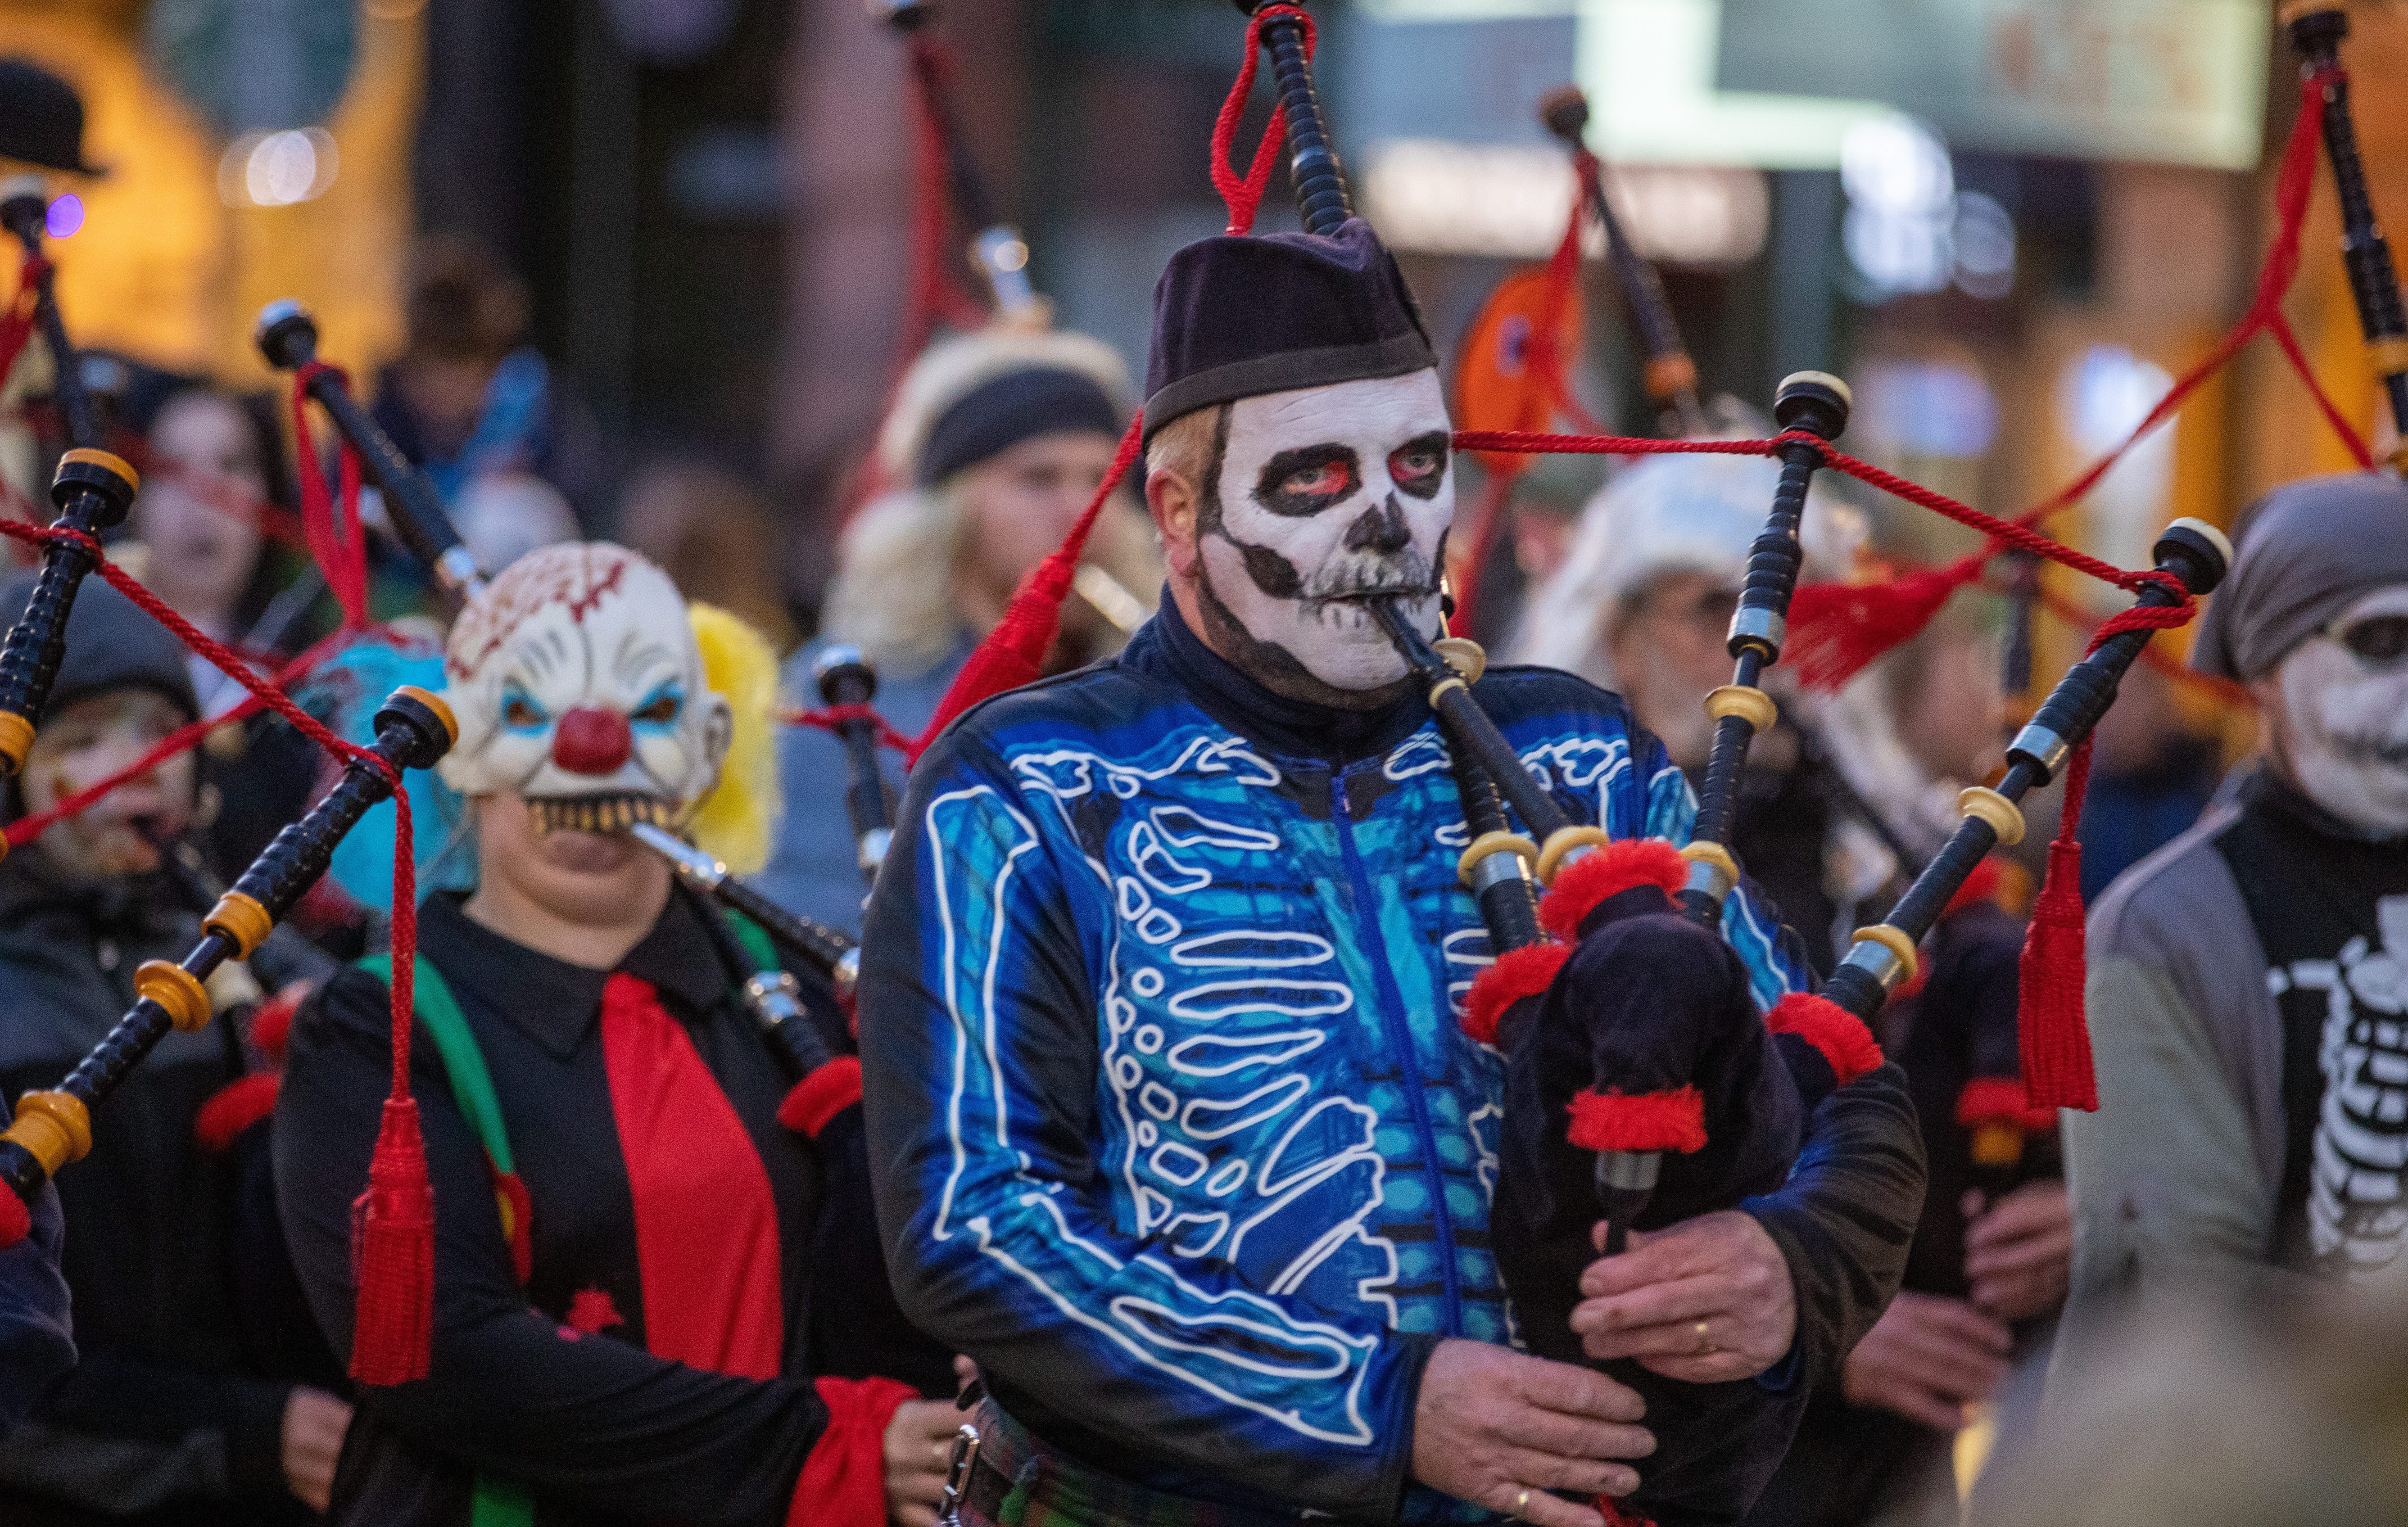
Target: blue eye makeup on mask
pixel 519 712
pixel 662 707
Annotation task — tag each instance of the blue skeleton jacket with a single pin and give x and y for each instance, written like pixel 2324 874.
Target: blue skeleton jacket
pixel 1174 1126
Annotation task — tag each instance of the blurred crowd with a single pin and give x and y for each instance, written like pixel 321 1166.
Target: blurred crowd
pixel 2203 1232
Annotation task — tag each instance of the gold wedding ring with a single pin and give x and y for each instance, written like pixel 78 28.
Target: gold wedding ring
pixel 1705 1341
pixel 1522 1504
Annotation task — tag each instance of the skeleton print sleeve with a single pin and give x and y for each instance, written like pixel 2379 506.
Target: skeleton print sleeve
pixel 979 1042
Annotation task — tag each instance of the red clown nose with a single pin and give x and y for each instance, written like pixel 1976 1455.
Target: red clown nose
pixel 592 740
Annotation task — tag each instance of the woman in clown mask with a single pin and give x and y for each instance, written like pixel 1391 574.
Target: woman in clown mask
pixel 2246 991
pixel 624 1316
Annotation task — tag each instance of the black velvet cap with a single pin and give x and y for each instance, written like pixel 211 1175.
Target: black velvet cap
pixel 1237 316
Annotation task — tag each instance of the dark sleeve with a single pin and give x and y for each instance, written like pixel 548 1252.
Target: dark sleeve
pixel 1845 1217
pixel 124 1407
pixel 980 1056
pixel 36 1344
pixel 592 1421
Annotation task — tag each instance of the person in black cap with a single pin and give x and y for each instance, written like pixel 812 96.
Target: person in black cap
pixel 996 442
pixel 174 1412
pixel 41 121
pixel 1176 1131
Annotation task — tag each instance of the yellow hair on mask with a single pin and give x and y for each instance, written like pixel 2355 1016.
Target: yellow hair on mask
pixel 733 821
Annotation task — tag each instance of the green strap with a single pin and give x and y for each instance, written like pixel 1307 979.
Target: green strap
pixel 497 1503
pixel 756 941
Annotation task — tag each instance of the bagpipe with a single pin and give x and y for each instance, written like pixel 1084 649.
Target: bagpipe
pixel 53 1128
pixel 1670 376
pixel 25 210
pixel 1641 1084
pixel 93 492
pixel 995 247
pixel 2316 28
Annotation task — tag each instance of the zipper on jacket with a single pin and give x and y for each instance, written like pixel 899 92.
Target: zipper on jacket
pixel 1400 1037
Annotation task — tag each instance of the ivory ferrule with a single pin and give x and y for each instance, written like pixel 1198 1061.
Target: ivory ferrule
pixel 1565 844
pixel 1744 701
pixel 2005 817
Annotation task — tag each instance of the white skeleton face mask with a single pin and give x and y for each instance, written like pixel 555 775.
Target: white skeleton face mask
pixel 578 684
pixel 2345 725
pixel 1324 496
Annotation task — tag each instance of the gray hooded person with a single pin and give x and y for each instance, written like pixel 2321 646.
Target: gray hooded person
pixel 2246 987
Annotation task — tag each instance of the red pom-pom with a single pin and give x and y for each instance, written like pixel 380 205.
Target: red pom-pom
pixel 1519 973
pixel 2001 1100
pixel 1668 1121
pixel 233 1108
pixel 820 1096
pixel 1836 629
pixel 1609 871
pixel 1837 1034
pixel 393 1239
pixel 16 1220
pixel 272 1027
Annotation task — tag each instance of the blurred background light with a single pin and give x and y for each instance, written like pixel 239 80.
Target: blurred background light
pixel 1508 201
pixel 277 170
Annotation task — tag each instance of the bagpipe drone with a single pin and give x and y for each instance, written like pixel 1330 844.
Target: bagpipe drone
pixel 2316 29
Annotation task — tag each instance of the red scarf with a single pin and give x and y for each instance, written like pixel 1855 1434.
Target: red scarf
pixel 706 1221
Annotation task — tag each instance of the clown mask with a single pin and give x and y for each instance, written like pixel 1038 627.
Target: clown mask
pixel 2344 719
pixel 578 685
pixel 1323 497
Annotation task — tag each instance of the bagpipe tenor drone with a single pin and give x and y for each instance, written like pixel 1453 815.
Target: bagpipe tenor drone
pixel 2317 28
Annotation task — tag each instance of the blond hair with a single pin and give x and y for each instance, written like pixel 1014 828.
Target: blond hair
pixel 892 595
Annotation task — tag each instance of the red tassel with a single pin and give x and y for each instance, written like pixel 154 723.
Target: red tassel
pixel 1607 872
pixel 1667 1120
pixel 16 1220
pixel 820 1096
pixel 1839 1036
pixel 2049 1020
pixel 1836 629
pixel 392 1239
pixel 1014 653
pixel 1519 972
pixel 233 1108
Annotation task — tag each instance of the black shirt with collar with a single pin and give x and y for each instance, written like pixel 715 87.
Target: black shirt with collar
pixel 598 1428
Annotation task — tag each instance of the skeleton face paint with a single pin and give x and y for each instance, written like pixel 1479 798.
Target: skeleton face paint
pixel 2344 723
pixel 1323 496
pixel 578 684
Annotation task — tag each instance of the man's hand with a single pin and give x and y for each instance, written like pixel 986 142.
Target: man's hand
pixel 2019 1252
pixel 919 1447
pixel 1707 1301
pixel 1926 1359
pixel 314 1424
pixel 1499 1429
